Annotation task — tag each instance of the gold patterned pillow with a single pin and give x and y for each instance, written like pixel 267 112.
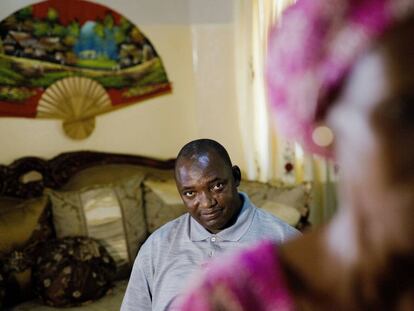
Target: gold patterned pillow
pixel 111 213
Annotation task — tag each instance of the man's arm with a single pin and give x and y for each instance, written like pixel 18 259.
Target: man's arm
pixel 138 295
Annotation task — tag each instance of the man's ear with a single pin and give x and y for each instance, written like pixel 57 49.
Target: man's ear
pixel 236 175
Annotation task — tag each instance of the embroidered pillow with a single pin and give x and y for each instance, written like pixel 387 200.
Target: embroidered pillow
pixel 72 271
pixel 111 213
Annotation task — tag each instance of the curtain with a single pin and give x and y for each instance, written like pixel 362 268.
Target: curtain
pixel 270 157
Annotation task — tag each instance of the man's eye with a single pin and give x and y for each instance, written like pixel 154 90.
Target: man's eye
pixel 189 194
pixel 218 186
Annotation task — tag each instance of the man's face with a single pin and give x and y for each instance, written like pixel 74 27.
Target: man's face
pixel 209 190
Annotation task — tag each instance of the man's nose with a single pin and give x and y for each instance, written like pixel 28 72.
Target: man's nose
pixel 206 200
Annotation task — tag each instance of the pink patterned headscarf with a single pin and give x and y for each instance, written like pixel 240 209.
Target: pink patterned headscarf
pixel 313 49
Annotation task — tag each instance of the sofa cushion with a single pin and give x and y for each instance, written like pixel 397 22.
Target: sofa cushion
pixel 72 271
pixel 24 224
pixel 8 203
pixel 287 213
pixel 112 213
pixel 162 202
pixel 19 220
pixel 279 198
pixel 257 191
pixel 291 195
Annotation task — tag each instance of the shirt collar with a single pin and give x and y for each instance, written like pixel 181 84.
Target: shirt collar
pixel 232 233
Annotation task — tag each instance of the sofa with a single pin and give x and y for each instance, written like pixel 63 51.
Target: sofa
pixel 71 226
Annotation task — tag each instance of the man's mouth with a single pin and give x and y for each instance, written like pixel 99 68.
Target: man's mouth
pixel 211 214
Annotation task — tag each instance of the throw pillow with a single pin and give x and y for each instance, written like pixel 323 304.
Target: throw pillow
pixel 72 271
pixel 112 213
pixel 256 191
pixel 19 220
pixel 291 195
pixel 24 224
pixel 287 213
pixel 162 202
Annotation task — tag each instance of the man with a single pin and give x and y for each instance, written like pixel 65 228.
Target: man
pixel 219 219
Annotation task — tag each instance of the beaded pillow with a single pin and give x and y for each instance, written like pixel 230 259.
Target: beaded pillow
pixel 72 271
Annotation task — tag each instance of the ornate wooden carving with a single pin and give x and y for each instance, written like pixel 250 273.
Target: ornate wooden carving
pixel 57 171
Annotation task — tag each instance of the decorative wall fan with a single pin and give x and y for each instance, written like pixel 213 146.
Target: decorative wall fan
pixel 72 60
pixel 75 100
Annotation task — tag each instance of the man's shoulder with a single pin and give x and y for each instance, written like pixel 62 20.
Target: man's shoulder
pixel 164 236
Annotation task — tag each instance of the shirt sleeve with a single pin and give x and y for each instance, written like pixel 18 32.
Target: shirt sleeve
pixel 138 296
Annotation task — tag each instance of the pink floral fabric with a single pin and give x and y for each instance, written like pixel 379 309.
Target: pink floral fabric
pixel 249 280
pixel 311 52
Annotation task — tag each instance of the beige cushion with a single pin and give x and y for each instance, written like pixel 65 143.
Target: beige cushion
pixel 287 213
pixel 18 221
pixel 162 202
pixel 23 224
pixel 294 196
pixel 112 213
pixel 165 190
pixel 256 191
pixel 290 196
pixel 9 203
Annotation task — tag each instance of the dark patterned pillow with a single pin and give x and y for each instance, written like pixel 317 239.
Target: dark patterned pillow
pixel 72 271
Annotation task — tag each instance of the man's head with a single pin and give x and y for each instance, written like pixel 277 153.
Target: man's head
pixel 207 183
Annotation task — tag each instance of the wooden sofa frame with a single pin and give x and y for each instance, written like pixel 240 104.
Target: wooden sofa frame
pixel 28 176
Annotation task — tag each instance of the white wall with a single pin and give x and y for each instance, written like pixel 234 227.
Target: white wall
pixel 195 39
pixel 215 87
